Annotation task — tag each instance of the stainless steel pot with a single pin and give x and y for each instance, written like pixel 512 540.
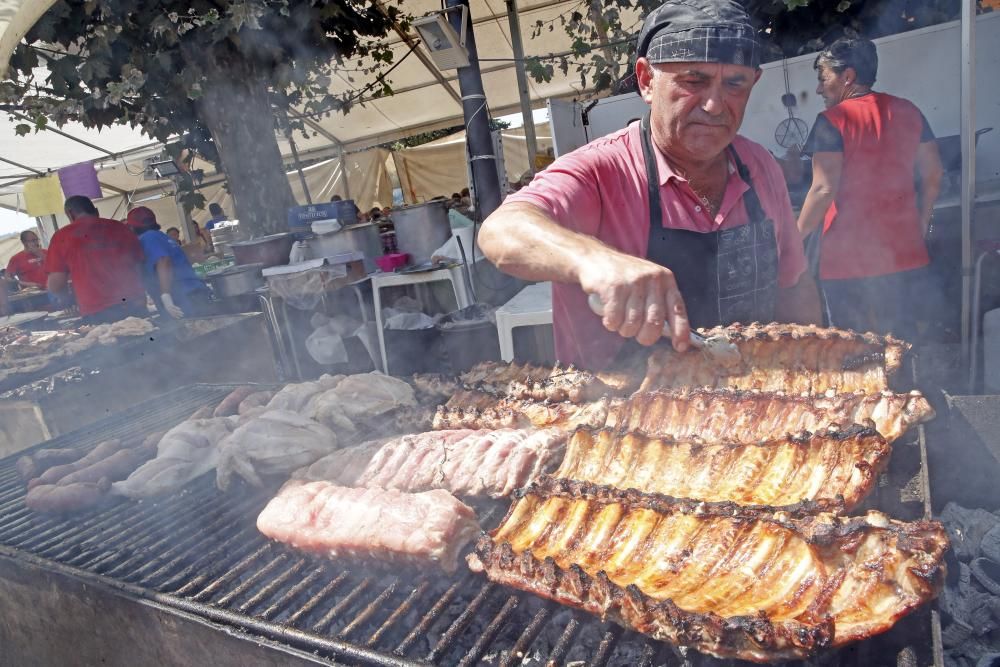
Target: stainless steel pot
pixel 224 236
pixel 236 280
pixel 363 238
pixel 267 250
pixel 421 229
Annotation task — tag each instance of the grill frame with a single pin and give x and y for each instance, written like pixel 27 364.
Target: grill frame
pixel 358 613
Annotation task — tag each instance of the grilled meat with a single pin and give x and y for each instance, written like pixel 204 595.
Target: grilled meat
pixel 56 473
pixel 230 404
pixel 275 443
pixel 784 357
pixel 68 497
pixel 464 462
pixel 722 415
pixel 478 410
pixel 836 469
pixel 118 465
pixel 730 581
pixel 255 400
pixel 541 383
pixel 389 525
pixel 33 465
pixel 434 388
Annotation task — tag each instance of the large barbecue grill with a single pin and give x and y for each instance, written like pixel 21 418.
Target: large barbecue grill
pixel 198 559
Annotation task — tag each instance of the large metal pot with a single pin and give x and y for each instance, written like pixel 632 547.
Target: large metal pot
pixel 267 250
pixel 236 280
pixel 363 238
pixel 421 229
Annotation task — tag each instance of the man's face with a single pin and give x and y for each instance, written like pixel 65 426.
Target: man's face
pixel 32 244
pixel 833 87
pixel 697 108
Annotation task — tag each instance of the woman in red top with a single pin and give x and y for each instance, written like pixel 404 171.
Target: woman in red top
pixel 876 175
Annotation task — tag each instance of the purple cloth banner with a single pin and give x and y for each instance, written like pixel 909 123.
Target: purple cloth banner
pixel 80 179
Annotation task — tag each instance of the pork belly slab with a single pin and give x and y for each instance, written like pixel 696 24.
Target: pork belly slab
pixel 471 409
pixel 378 524
pixel 831 471
pixel 784 357
pixel 730 581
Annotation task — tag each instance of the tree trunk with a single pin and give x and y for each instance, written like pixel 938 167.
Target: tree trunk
pixel 237 111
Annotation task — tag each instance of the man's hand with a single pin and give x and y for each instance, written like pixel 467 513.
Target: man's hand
pixel 168 305
pixel 638 297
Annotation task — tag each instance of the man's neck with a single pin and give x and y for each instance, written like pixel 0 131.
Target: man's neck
pixel 697 170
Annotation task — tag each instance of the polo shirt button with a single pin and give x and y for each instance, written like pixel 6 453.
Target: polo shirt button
pixel 697 209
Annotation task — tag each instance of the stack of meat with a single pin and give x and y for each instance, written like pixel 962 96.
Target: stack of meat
pixel 708 509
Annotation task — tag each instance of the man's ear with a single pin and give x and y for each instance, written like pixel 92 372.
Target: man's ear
pixel 644 78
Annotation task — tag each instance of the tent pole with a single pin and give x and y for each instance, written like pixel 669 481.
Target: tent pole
pixel 485 171
pixel 517 45
pixel 968 143
pixel 343 172
pixel 298 167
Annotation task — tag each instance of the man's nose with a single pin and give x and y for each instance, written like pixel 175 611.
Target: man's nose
pixel 711 102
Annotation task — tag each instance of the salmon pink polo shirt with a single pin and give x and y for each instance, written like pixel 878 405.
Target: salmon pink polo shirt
pixel 600 190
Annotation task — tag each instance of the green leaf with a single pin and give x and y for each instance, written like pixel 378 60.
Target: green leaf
pixel 22 129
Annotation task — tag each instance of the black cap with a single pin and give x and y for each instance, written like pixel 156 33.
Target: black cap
pixel 716 31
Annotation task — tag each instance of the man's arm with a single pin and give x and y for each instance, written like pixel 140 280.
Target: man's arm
pixel 164 274
pixel 57 284
pixel 799 304
pixel 825 184
pixel 638 295
pixel 929 173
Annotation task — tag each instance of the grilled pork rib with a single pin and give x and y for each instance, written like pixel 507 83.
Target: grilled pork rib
pixel 335 521
pixel 544 383
pixel 469 409
pixel 730 581
pixel 722 415
pixel 837 469
pixel 464 462
pixel 784 357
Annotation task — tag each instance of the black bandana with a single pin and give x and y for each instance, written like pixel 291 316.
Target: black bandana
pixel 713 31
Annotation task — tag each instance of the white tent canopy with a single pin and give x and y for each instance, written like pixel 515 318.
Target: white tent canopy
pixel 424 98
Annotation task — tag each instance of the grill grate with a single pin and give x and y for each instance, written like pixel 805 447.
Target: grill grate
pixel 200 552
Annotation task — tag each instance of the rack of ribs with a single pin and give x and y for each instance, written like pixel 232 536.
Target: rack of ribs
pixel 730 581
pixel 485 463
pixel 545 383
pixel 784 357
pixel 470 409
pixel 377 524
pixel 833 470
pixel 721 415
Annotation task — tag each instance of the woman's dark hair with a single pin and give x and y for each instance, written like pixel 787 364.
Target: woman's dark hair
pixel 859 54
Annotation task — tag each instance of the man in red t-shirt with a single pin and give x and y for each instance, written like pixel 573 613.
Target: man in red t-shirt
pixel 104 259
pixel 28 266
pixel 868 149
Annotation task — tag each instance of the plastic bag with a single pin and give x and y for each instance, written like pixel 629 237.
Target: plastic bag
pixel 304 290
pixel 326 346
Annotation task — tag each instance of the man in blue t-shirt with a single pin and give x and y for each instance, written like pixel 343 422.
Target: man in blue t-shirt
pixel 167 273
pixel 218 215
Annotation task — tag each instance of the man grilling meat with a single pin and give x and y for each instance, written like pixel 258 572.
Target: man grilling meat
pixel 674 204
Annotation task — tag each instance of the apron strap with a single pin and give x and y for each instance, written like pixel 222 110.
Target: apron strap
pixel 750 199
pixel 652 176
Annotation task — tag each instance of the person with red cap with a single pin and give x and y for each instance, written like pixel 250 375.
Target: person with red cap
pixel 167 273
pixel 103 259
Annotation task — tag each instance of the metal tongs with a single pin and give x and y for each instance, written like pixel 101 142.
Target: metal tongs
pixel 717 348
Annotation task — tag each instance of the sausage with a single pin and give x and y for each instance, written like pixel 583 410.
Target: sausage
pixel 258 399
pixel 204 412
pixel 231 403
pixel 118 466
pixel 56 473
pixel 69 498
pixel 33 465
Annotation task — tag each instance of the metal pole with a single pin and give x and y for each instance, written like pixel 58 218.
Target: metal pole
pixel 485 175
pixel 298 167
pixel 968 142
pixel 343 173
pixel 522 83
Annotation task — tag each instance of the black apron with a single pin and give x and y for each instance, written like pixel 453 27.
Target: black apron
pixel 725 276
